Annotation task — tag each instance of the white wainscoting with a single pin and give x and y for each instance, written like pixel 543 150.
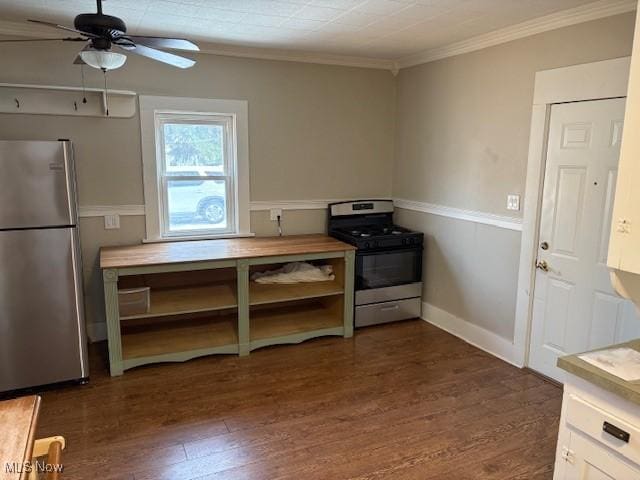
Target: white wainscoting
pixel 87 211
pixel 472 334
pixel 501 221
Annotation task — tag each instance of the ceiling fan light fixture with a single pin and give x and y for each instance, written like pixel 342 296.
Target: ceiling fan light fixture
pixel 103 59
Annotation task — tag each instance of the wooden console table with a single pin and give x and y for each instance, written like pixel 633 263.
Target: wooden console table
pixel 203 302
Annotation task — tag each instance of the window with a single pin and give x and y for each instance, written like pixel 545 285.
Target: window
pixel 195 167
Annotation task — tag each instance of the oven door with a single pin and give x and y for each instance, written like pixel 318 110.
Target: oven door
pixel 387 268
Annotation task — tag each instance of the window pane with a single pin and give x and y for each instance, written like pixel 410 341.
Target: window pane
pixel 189 145
pixel 197 207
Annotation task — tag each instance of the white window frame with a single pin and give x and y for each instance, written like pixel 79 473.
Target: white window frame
pixel 154 112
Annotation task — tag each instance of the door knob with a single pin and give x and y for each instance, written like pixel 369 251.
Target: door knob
pixel 543 265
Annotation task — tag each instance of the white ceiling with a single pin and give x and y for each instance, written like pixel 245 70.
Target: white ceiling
pixel 383 29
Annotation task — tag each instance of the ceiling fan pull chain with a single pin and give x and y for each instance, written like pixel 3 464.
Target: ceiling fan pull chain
pixel 106 93
pixel 84 90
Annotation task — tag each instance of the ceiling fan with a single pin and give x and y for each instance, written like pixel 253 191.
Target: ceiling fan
pixel 107 40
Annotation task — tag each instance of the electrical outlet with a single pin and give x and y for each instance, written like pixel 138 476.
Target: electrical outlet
pixel 111 222
pixel 513 202
pixel 275 213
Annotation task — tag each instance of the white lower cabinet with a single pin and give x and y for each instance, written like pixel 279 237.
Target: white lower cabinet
pixel 588 460
pixel 599 435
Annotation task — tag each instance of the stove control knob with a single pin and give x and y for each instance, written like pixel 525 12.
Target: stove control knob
pixel 375 244
pixel 366 244
pixel 411 240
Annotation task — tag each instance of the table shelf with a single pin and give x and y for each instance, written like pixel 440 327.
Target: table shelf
pixel 262 293
pixel 192 299
pixel 179 336
pixel 294 323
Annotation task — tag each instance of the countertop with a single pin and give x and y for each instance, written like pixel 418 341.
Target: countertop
pixel 18 419
pixel 223 249
pixel 592 374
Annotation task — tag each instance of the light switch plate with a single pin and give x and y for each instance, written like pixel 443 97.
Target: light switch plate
pixel 513 202
pixel 111 222
pixel 275 213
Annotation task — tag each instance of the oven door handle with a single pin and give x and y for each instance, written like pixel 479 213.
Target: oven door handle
pixel 389 308
pixel 415 248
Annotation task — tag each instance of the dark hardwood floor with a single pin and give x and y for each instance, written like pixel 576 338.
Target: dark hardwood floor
pixel 400 401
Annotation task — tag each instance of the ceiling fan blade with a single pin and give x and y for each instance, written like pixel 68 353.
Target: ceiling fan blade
pixel 164 42
pixel 69 39
pixel 160 56
pixel 62 27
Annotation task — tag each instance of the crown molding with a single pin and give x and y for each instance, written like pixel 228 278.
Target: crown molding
pixel 20 29
pixel 297 56
pixel 565 18
pixel 573 16
pixel 24 29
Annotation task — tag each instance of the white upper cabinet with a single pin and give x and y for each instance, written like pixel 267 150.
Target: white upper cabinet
pixel 624 244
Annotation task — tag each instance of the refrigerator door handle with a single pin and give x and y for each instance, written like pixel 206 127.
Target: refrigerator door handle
pixel 69 167
pixel 76 255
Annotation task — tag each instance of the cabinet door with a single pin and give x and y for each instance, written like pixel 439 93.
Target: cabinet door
pixel 624 244
pixel 588 460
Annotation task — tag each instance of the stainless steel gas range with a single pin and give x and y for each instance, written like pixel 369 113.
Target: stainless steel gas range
pixel 388 272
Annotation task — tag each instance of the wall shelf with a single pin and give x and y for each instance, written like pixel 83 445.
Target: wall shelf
pixel 61 100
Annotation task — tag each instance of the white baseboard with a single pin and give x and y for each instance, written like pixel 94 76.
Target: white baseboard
pixel 472 334
pixel 97 332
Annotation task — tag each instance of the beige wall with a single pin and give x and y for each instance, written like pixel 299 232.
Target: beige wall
pixel 462 140
pixel 460 128
pixel 463 122
pixel 315 132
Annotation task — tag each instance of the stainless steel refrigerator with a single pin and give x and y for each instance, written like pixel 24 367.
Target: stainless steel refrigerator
pixel 42 330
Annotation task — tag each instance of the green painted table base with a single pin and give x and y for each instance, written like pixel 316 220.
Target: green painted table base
pixel 110 277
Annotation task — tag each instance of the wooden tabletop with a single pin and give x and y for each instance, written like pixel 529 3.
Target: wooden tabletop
pixel 222 249
pixel 18 419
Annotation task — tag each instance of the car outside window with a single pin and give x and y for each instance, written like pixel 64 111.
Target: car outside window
pixel 196 173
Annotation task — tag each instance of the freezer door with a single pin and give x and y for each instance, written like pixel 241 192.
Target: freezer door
pixel 37 185
pixel 42 332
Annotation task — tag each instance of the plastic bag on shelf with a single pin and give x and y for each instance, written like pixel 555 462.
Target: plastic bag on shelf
pixel 295 272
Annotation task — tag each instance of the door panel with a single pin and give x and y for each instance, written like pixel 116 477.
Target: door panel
pixel 559 303
pixel 42 338
pixel 37 185
pixel 595 462
pixel 569 210
pixel 575 307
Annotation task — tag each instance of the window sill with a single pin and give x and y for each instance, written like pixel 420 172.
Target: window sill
pixel 198 237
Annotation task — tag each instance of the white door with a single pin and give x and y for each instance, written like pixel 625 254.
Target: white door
pixel 575 308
